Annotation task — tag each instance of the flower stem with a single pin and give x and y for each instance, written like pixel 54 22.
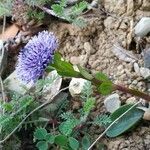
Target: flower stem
pixel 132 92
pixel 122 89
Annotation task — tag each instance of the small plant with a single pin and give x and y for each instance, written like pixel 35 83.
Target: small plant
pixel 72 14
pixel 67 133
pixel 5 7
pixel 13 112
pixel 68 127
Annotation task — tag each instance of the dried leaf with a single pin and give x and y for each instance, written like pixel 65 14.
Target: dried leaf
pixel 9 33
pixel 123 54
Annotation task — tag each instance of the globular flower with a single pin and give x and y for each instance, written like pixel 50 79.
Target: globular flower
pixel 35 56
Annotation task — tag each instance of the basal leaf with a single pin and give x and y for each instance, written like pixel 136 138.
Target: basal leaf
pixel 126 122
pixel 73 143
pixel 85 142
pixel 40 134
pixel 61 140
pixel 42 145
pixel 50 138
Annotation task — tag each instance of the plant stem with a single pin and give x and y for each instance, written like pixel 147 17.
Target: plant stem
pixel 132 91
pixel 123 89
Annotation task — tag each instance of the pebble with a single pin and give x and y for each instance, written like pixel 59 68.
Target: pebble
pixel 136 68
pixel 145 72
pixel 76 86
pixel 142 28
pixel 14 84
pixel 134 82
pixel 51 89
pixel 131 100
pixel 89 49
pixel 112 103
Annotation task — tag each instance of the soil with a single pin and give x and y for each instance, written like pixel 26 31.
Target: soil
pixel 112 22
pixel 92 45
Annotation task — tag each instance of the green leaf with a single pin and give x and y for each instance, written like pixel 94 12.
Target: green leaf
pixel 105 88
pixel 40 134
pixel 7 107
pixel 78 8
pixel 126 122
pixel 85 73
pixel 61 140
pixel 42 145
pixel 67 127
pixel 102 120
pixel 50 138
pixel 80 22
pixel 58 9
pixel 89 105
pixel 5 8
pixel 85 142
pixel 73 143
pixel 101 77
pixel 63 67
pixel 87 90
pixel 63 3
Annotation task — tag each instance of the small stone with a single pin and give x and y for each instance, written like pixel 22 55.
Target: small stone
pixel 50 90
pixel 14 84
pixel 136 68
pixel 112 103
pixel 135 82
pixel 88 48
pixel 131 100
pixel 76 86
pixel 145 72
pixel 143 27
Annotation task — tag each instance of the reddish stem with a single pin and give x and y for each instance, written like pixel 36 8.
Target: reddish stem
pixel 132 92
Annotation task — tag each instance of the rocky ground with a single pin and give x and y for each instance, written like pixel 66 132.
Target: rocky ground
pixel 113 22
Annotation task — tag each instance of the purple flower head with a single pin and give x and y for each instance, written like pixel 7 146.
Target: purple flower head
pixel 35 56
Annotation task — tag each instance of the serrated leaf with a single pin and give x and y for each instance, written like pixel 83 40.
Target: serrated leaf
pixel 40 134
pixel 126 122
pixel 80 22
pixel 85 73
pixel 42 145
pixel 85 143
pixel 7 106
pixel 105 88
pixel 78 8
pixel 67 126
pixel 101 77
pixel 89 105
pixel 73 143
pixel 61 140
pixel 58 9
pixel 102 120
pixel 50 138
pixel 5 8
pixel 63 3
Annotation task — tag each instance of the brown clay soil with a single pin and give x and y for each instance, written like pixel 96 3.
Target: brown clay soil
pixel 92 46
